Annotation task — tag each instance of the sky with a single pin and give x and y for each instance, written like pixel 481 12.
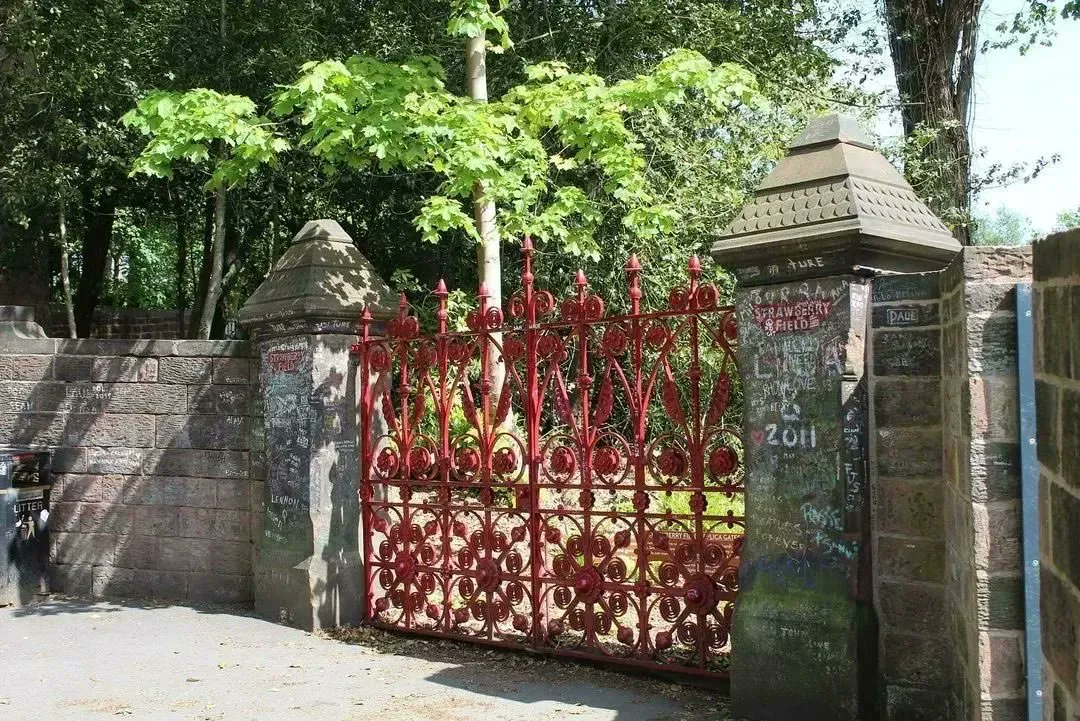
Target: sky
pixel 1026 107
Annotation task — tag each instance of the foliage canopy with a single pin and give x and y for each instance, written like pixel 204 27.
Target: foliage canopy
pixel 185 125
pixel 70 68
pixel 526 148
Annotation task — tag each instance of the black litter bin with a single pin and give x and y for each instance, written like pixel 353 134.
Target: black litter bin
pixel 25 484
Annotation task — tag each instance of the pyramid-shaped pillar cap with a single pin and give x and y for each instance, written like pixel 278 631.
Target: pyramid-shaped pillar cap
pixel 833 205
pixel 322 282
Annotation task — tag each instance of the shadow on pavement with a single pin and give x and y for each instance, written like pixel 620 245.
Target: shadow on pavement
pixel 530 678
pixel 528 685
pixel 56 605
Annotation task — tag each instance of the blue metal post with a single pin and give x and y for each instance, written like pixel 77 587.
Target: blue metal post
pixel 1029 495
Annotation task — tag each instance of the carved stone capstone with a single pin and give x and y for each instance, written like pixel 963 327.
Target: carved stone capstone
pixel 321 281
pixel 833 205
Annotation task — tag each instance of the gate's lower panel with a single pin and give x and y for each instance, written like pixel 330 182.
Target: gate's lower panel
pixel 465 570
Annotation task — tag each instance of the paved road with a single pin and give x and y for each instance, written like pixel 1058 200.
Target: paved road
pixel 70 660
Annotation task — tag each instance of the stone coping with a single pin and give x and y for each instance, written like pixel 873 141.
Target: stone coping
pixel 108 347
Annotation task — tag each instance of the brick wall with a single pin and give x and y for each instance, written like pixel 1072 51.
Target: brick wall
pixel 119 323
pixel 153 492
pixel 1057 395
pixel 908 528
pixel 984 600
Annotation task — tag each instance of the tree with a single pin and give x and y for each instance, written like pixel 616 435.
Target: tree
pixel 934 44
pixel 43 159
pixel 1004 227
pixel 399 116
pixel 1068 219
pixel 473 19
pixel 197 126
pixel 706 175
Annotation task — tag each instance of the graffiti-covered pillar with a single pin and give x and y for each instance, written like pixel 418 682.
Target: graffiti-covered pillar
pixel 804 251
pixel 304 318
pixel 804 580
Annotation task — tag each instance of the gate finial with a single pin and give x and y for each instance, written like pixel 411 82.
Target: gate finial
pixel 440 293
pixel 633 270
pixel 365 321
pixel 694 271
pixel 694 267
pixel 527 276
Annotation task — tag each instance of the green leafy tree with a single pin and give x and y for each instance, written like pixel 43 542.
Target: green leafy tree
pixel 1004 227
pixel 1068 219
pixel 197 126
pixel 365 112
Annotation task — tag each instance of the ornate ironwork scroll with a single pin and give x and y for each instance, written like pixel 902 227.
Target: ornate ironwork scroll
pixel 583 496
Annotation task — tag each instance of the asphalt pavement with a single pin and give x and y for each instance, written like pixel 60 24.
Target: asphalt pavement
pixel 76 660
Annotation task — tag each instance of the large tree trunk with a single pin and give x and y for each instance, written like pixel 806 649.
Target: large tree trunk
pixel 95 258
pixel 217 258
pixel 488 261
pixel 933 46
pixel 65 271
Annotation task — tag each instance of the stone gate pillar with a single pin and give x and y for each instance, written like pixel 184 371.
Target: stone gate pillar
pixel 829 217
pixel 303 319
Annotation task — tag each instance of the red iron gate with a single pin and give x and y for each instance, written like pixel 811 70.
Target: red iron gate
pixel 590 505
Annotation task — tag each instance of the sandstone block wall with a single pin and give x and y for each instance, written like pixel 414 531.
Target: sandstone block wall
pixel 946 489
pixel 1056 301
pixel 152 492
pixel 984 608
pixel 906 474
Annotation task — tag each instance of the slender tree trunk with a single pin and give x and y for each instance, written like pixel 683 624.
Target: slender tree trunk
pixel 213 285
pixel 217 249
pixel 95 260
pixel 488 260
pixel 234 251
pixel 204 267
pixel 65 271
pixel 181 260
pixel 271 256
pixel 194 274
pixel 117 253
pixel 489 267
